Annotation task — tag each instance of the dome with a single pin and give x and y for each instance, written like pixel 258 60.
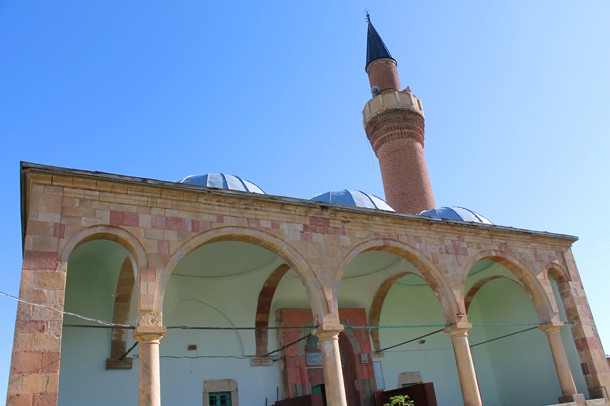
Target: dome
pixel 222 181
pixel 455 213
pixel 354 198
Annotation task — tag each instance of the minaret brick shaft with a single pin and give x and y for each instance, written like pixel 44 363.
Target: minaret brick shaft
pixel 394 124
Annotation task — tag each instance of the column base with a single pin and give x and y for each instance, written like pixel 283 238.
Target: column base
pixel 578 399
pixel 599 393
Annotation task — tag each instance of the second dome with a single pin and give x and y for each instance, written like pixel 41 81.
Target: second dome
pixel 353 198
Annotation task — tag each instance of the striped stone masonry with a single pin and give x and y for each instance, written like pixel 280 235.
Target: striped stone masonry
pixel 161 222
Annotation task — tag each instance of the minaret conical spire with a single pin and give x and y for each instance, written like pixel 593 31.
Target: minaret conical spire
pixel 375 48
pixel 380 66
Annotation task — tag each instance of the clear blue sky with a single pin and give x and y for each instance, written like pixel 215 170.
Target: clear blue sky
pixel 515 94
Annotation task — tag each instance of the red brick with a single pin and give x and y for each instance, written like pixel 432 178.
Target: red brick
pixel 587 344
pixel 177 224
pixel 40 260
pixel 31 326
pixel 59 230
pixel 116 218
pixel 20 400
pixel 26 362
pixel 50 362
pixel 159 222
pixel 163 247
pixel 199 226
pixel 131 219
pixel 319 221
pixel 148 274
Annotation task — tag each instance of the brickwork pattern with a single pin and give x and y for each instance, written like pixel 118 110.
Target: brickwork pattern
pixel 397 137
pixel 383 74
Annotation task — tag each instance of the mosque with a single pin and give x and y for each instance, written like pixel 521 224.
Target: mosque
pixel 209 291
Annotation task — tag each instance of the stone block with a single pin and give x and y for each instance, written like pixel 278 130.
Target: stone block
pixel 21 399
pixel 40 260
pixel 45 399
pixel 46 342
pixel 25 362
pixel 31 326
pixel 40 243
pixel 50 362
pixel 33 383
pixel 50 280
pixel 49 217
pixel 23 342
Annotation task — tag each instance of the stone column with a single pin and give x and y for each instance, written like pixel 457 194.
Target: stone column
pixel 465 366
pixel 148 334
pixel 566 381
pixel 328 337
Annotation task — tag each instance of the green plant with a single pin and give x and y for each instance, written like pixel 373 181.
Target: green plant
pixel 400 400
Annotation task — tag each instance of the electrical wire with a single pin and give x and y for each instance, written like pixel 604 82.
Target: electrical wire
pixel 410 341
pixel 286 346
pixel 504 336
pixel 102 322
pixel 122 357
pixel 346 327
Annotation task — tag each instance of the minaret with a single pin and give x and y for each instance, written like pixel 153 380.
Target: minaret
pixel 394 124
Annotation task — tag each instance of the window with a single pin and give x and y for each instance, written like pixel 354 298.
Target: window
pixel 220 399
pixel 220 392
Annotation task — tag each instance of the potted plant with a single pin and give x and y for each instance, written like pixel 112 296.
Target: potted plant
pixel 400 400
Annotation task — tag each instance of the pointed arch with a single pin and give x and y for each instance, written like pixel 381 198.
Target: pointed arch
pixel 450 305
pixel 558 271
pixel 377 305
pixel 111 233
pixel 263 308
pixel 279 247
pixel 545 308
pixel 479 284
pixel 120 315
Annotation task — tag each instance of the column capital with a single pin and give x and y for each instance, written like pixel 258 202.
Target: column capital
pixel 551 327
pixel 458 329
pixel 149 334
pixel 327 331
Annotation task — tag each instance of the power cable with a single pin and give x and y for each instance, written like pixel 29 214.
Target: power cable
pixel 286 346
pixel 102 322
pixel 504 336
pixel 410 341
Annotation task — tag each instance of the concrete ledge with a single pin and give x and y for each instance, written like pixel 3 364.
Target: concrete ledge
pixel 125 363
pixel 261 362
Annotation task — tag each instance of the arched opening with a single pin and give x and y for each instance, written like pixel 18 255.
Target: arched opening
pixel 405 320
pixel 220 308
pixel 123 300
pixel 99 285
pixel 263 309
pixel 512 357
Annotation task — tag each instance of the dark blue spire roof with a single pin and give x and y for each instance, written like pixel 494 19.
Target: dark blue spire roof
pixel 375 48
